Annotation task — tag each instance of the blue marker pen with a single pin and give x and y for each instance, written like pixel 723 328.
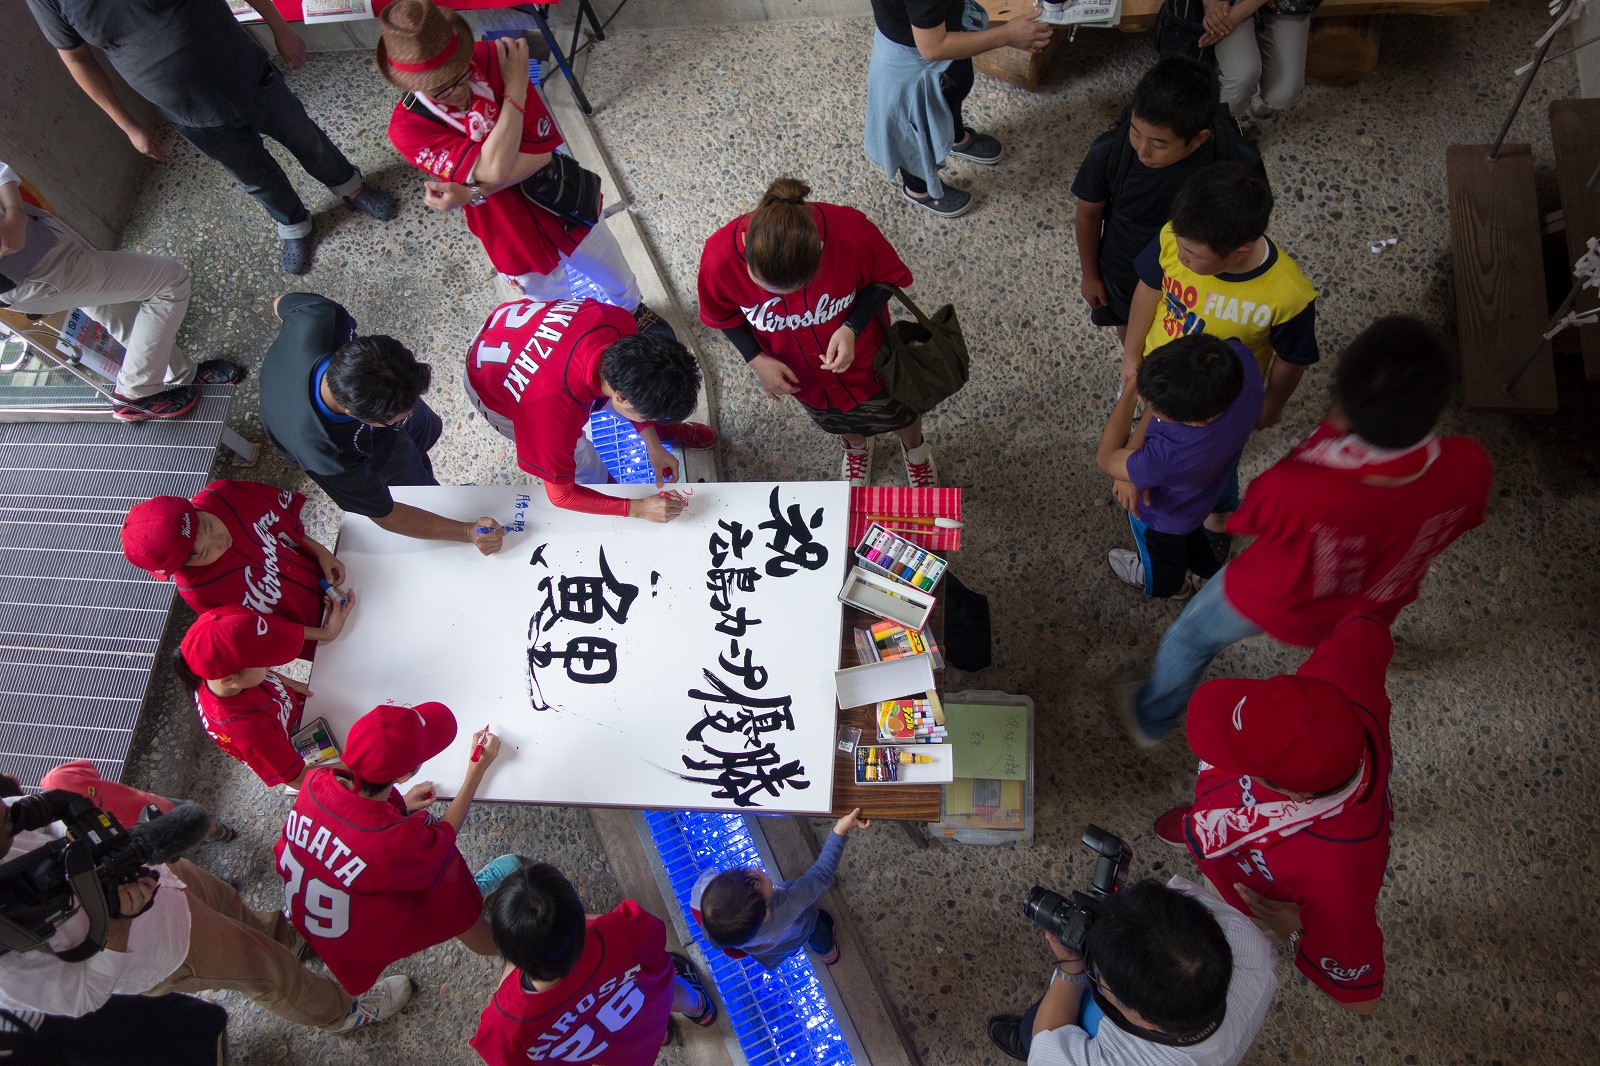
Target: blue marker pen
pixel 327 586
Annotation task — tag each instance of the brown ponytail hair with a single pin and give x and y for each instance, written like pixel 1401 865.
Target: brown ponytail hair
pixel 782 246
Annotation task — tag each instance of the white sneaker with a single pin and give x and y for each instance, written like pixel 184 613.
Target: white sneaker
pixel 1127 565
pixel 856 466
pixel 380 1003
pixel 921 471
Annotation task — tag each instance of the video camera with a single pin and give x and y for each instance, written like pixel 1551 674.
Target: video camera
pixel 42 888
pixel 1069 918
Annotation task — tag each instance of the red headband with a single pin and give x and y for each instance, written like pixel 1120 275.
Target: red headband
pixel 433 63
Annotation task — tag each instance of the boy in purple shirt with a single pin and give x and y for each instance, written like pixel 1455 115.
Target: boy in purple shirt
pixel 1202 397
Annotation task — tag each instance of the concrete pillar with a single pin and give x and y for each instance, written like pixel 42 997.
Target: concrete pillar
pixel 55 137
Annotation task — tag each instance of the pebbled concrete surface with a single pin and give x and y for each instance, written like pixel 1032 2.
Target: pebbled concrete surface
pixel 1491 953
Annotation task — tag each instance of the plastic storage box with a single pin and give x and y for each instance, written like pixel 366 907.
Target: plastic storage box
pixel 969 826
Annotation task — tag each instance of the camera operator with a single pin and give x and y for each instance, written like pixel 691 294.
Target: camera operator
pixel 1169 975
pixel 178 929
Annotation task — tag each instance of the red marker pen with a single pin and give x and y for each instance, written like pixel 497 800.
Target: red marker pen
pixel 477 749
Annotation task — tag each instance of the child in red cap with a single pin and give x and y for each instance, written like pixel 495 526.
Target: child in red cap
pixel 370 876
pixel 249 709
pixel 236 542
pixel 1290 821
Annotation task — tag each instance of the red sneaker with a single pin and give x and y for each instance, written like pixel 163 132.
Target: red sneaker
pixel 1169 828
pixel 695 435
pixel 174 403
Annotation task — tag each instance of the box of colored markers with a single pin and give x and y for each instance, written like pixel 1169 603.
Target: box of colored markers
pixel 888 764
pixel 912 720
pixel 884 552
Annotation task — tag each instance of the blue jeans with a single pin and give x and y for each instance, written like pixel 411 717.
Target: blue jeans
pixel 821 938
pixel 277 113
pixel 1207 625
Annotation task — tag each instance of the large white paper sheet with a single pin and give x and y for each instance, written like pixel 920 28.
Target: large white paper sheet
pixel 724 624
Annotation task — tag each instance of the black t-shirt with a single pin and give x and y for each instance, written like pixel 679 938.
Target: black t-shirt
pixel 337 454
pixel 896 17
pixel 190 58
pixel 1136 212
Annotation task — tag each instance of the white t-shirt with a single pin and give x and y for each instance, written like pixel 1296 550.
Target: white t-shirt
pixel 158 942
pixel 1255 979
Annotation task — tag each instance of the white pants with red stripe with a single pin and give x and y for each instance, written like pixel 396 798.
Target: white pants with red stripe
pixel 598 257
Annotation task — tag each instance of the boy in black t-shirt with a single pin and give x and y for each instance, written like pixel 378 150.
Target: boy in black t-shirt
pixel 1125 185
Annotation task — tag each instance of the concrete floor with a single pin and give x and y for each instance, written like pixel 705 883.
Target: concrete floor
pixel 1490 949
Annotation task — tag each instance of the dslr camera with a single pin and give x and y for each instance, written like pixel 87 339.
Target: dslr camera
pixel 43 887
pixel 1069 917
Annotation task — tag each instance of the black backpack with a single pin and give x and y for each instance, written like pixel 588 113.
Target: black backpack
pixel 1231 146
pixel 1179 26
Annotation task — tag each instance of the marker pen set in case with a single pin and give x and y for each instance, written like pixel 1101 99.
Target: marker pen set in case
pixel 900 559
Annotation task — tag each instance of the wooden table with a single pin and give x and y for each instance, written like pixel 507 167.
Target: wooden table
pixel 895 803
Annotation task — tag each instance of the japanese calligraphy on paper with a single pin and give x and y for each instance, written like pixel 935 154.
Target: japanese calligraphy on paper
pixel 627 663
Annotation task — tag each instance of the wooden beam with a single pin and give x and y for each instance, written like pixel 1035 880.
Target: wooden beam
pixel 1342 51
pixel 1499 278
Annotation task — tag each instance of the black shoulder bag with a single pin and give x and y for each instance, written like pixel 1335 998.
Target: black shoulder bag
pixel 562 186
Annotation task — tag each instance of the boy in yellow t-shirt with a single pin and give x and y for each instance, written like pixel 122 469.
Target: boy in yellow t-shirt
pixel 1213 270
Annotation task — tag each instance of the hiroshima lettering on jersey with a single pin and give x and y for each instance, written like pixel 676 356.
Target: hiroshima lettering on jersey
pixel 762 316
pixel 317 840
pixel 264 594
pixel 541 342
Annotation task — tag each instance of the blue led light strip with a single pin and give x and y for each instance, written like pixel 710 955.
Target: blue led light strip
pixel 780 1016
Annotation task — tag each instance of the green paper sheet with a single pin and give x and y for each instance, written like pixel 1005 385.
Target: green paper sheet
pixel 988 742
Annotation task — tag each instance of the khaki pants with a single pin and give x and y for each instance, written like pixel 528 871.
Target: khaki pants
pixel 139 299
pixel 250 952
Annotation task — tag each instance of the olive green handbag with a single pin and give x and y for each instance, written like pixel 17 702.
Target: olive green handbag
pixel 923 362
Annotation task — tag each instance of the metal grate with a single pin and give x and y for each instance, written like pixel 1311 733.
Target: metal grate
pixel 79 625
pixel 780 1016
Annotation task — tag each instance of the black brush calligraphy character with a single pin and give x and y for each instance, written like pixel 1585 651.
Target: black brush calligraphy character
pixel 807 552
pixel 737 541
pixel 741 775
pixel 588 660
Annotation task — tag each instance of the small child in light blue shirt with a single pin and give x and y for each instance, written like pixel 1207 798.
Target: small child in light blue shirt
pixel 745 912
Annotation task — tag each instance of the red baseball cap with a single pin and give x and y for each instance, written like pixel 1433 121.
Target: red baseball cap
pixel 226 640
pixel 1298 733
pixel 389 742
pixel 158 534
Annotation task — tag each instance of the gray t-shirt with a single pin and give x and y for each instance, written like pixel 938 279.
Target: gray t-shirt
pixel 190 58
pixel 1255 979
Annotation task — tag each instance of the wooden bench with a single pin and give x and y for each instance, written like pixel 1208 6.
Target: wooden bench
pixel 1343 47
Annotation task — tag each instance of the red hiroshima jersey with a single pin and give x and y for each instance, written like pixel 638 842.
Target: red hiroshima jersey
pixel 255 726
pixel 1333 869
pixel 795 328
pixel 367 884
pixel 1336 533
pixel 612 1008
pixel 518 237
pixel 537 366
pixel 265 569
